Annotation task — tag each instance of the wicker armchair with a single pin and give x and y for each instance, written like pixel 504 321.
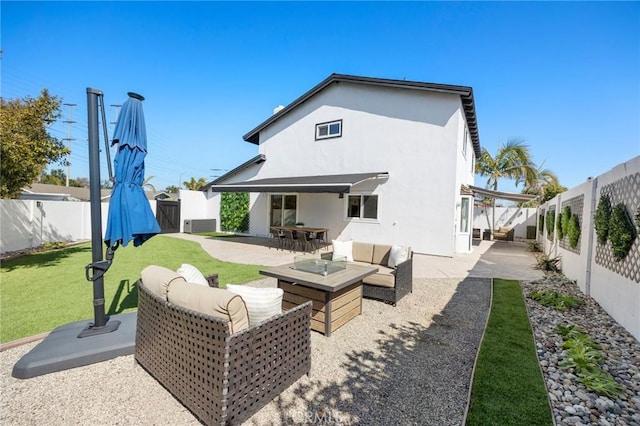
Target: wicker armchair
pixel 222 378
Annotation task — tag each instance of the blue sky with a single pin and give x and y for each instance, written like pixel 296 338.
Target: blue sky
pixel 565 77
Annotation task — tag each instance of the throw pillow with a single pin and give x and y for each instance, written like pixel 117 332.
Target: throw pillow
pixel 398 255
pixel 342 249
pixel 262 303
pixel 192 275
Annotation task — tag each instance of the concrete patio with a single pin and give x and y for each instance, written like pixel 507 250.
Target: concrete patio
pixel 511 260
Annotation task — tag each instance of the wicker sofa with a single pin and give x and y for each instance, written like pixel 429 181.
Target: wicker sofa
pixel 504 234
pixel 388 284
pixel 222 377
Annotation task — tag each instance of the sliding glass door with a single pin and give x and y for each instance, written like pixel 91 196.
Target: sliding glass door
pixel 284 209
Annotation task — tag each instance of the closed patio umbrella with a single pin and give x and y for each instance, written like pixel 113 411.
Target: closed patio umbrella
pixel 130 216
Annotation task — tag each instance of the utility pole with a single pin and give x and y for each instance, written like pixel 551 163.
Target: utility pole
pixel 69 122
pixel 116 109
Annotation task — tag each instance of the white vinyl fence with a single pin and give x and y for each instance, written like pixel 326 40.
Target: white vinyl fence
pixel 30 223
pixel 27 224
pixel 615 285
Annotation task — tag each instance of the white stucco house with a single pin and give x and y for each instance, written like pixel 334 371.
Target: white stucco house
pixel 371 159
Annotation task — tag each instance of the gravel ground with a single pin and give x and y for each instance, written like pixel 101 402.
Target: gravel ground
pixel 405 365
pixel 572 402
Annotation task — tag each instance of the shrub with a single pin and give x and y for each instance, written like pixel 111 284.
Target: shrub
pixel 601 219
pixel 555 300
pixel 548 264
pixel 621 232
pixel 566 218
pixel 574 231
pixel 583 356
pixel 550 222
pixel 559 221
pixel 534 246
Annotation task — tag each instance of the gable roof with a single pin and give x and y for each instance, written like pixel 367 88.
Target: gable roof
pixel 465 93
pixel 260 158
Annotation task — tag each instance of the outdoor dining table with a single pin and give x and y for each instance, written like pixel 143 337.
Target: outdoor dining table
pixel 308 229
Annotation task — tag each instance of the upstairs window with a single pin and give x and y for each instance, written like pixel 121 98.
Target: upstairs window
pixel 465 142
pixel 362 207
pixel 331 129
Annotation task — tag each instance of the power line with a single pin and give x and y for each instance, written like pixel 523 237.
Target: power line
pixel 69 122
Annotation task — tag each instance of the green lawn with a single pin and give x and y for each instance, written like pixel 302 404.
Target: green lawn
pixel 41 291
pixel 508 388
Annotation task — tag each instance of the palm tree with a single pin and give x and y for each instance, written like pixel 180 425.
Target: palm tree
pixel 512 161
pixel 146 184
pixel 545 187
pixel 194 184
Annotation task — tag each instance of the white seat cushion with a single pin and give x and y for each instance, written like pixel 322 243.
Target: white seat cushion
pixel 262 303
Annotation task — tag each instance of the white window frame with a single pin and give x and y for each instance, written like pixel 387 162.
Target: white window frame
pixel 465 142
pixel 462 214
pixel 328 125
pixel 283 195
pixel 360 218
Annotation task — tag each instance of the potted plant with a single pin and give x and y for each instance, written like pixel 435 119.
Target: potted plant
pixel 299 224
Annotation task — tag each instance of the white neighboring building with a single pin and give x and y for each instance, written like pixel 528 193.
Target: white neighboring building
pixel 376 160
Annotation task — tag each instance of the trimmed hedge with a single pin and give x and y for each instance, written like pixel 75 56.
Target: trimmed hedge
pixel 550 223
pixel 622 232
pixel 573 230
pixel 601 219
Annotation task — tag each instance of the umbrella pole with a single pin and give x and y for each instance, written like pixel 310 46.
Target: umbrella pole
pixel 101 323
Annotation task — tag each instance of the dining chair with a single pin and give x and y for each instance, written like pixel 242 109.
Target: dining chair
pixel 289 240
pixel 277 237
pixel 320 239
pixel 303 240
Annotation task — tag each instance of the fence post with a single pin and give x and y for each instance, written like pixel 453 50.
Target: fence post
pixel 590 247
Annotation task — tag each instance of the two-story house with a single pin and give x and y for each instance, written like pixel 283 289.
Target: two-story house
pixel 377 160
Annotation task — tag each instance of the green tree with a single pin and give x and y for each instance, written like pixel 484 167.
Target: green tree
pixel 147 184
pixel 26 146
pixel 56 177
pixel 544 186
pixel 194 184
pixel 512 161
pixel 171 189
pixel 81 182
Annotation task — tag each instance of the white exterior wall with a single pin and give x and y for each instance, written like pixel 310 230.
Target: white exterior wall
pixel 194 205
pixel 465 160
pixel 413 135
pixel 514 217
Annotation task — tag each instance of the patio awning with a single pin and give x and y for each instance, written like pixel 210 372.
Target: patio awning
pixel 315 184
pixel 511 196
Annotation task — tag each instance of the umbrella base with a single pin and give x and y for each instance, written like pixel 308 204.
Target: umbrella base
pixel 91 330
pixel 62 349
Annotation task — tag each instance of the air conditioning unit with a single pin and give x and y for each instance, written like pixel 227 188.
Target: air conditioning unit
pixel 198 226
